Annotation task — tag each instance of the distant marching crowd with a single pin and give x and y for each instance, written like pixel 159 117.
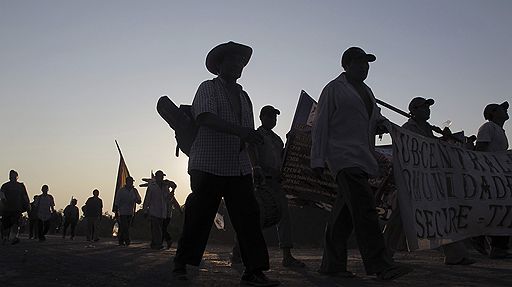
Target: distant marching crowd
pixel 158 202
pixel 229 159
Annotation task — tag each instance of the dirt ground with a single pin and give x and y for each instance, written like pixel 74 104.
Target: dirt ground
pixel 59 262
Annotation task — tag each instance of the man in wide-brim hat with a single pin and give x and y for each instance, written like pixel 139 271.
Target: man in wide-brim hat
pixel 217 54
pixel 219 166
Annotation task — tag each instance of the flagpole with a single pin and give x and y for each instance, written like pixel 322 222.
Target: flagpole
pixel 118 148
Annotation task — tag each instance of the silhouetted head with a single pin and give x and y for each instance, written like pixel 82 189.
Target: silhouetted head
pixel 96 192
pixel 13 175
pixel 419 108
pixel 171 184
pixel 73 201
pixel 129 181
pixel 227 60
pixel 159 176
pixel 268 117
pixel 44 189
pixel 355 63
pixel 497 113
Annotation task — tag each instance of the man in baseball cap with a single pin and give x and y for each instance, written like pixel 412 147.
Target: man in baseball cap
pixel 269 110
pixel 354 53
pixel 491 137
pixel 420 102
pixel 347 116
pixel 455 253
pixel 490 110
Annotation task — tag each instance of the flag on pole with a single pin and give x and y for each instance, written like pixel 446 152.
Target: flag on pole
pixel 122 174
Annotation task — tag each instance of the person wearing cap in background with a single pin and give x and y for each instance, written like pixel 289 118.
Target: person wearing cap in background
pixel 343 139
pixel 155 206
pixel 267 160
pixel 455 253
pixel 93 211
pixel 14 197
pixel 491 137
pixel 219 166
pixel 419 109
pixel 127 198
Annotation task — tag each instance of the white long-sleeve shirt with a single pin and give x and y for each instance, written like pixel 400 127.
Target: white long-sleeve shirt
pixel 343 133
pixel 156 200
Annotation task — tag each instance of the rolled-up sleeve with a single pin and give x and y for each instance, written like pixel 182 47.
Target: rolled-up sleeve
pixel 484 133
pixel 204 100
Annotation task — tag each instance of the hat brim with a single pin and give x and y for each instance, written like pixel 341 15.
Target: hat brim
pixel 368 57
pixel 217 54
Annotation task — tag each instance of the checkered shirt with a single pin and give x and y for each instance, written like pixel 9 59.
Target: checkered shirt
pixel 212 151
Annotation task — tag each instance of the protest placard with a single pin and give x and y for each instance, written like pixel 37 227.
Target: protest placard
pixel 448 193
pixel 299 183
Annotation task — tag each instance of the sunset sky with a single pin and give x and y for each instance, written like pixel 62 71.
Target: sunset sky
pixel 76 75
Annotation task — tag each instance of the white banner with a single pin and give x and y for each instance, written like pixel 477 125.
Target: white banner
pixel 448 193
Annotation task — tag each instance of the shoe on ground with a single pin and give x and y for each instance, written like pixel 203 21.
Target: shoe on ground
pixel 339 274
pixel 15 241
pixel 499 253
pixel 463 261
pixel 96 240
pixel 393 272
pixel 257 279
pixel 293 262
pixel 179 271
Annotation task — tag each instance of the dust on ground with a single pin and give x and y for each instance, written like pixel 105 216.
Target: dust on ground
pixel 59 262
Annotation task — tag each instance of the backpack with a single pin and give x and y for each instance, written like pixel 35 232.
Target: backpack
pixel 181 121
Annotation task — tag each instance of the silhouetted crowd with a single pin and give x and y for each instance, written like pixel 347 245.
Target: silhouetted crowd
pixel 229 159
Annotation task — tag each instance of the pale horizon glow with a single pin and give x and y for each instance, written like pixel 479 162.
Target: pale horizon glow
pixel 76 75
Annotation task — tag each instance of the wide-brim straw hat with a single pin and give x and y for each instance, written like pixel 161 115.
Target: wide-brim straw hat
pixel 217 54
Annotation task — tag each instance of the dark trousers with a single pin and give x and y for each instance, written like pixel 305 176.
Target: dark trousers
pixel 165 234
pixel 93 228
pixel 42 227
pixel 32 228
pixel 124 229
pixel 65 227
pixel 354 210
pixel 156 231
pixel 284 227
pixel 201 207
pixel 500 242
pixel 10 225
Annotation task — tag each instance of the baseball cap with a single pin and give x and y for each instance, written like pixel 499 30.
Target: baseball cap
pixel 490 108
pixel 269 110
pixel 419 101
pixel 355 53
